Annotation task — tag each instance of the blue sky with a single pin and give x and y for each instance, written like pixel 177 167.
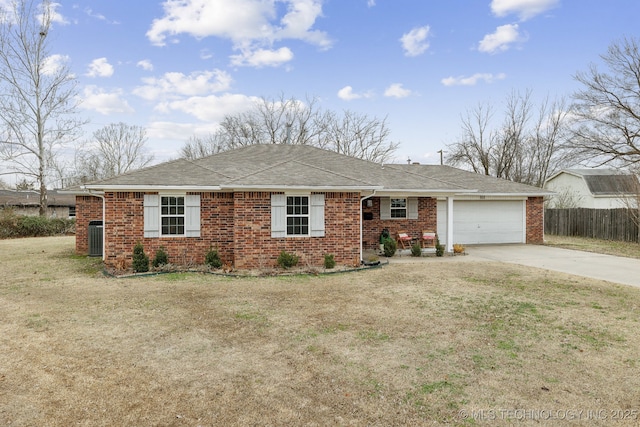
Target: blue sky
pixel 177 67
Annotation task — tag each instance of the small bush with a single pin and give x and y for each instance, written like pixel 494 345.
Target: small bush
pixel 439 248
pixel 140 259
pixel 8 224
pixel 34 226
pixel 458 248
pixel 416 250
pixel 161 257
pixel 212 259
pixel 389 247
pixel 287 260
pixel 329 262
pixel 13 225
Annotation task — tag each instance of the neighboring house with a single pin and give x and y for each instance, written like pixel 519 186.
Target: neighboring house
pixel 27 202
pixel 593 189
pixel 254 202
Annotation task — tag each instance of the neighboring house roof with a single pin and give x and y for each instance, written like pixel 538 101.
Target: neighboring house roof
pixel 278 167
pixel 604 182
pixel 24 198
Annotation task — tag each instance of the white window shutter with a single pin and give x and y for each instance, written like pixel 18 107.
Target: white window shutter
pixel 317 215
pixel 385 208
pixel 151 215
pixel 412 208
pixel 278 215
pixel 192 215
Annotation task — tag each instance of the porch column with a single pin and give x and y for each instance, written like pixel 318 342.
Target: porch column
pixel 449 247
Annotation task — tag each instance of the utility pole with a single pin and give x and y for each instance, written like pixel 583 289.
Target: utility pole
pixel 441 158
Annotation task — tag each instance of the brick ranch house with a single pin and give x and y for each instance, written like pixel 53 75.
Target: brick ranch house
pixel 254 202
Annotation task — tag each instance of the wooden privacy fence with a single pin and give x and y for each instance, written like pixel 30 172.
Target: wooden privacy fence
pixel 608 224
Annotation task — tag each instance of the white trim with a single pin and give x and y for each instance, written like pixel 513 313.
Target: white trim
pixel 449 247
pixel 152 188
pixel 393 192
pixel 303 188
pixel 488 197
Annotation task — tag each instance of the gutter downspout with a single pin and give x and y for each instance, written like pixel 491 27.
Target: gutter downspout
pixel 361 221
pixel 103 218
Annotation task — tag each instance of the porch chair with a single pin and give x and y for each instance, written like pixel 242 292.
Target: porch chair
pixel 428 239
pixel 404 240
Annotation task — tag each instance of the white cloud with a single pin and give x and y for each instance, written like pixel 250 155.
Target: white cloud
pixel 501 40
pixel 415 41
pixel 99 16
pixel 53 63
pixel 473 80
pixel 263 58
pixel 209 108
pixel 178 131
pixel 251 25
pixel 145 64
pixel 347 94
pixel 371 3
pixel 55 15
pixel 525 9
pixel 96 99
pixel 397 91
pixel 172 85
pixel 100 68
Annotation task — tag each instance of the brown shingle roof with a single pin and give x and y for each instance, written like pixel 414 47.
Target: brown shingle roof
pixel 281 166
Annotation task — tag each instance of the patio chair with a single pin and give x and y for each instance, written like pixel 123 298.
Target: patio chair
pixel 404 240
pixel 428 239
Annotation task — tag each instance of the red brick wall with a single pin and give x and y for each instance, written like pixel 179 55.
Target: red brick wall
pixel 535 220
pixel 371 229
pixel 124 227
pixel 88 208
pixel 238 225
pixel 256 248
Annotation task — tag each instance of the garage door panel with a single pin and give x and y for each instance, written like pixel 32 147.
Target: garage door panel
pixel 491 221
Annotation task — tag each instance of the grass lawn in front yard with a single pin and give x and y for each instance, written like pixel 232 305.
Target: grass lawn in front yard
pixel 444 341
pixel 609 247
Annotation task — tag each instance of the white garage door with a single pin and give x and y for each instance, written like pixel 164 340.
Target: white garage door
pixel 484 221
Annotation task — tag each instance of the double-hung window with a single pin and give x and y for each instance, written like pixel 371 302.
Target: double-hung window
pixel 398 208
pixel 172 215
pixel 297 215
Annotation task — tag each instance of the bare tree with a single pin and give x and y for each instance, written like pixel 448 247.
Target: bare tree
pixel 607 109
pixel 473 148
pixel 359 136
pixel 197 147
pixel 514 149
pixel 115 149
pixel 38 93
pixel 290 121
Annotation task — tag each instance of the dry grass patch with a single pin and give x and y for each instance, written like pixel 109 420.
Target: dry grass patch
pixel 609 247
pixel 391 346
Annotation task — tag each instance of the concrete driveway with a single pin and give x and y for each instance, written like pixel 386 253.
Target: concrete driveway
pixel 605 267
